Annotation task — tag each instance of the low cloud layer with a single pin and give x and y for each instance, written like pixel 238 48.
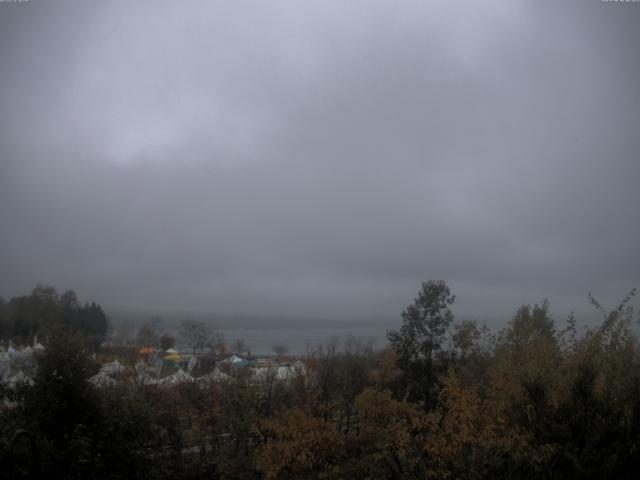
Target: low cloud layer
pixel 319 159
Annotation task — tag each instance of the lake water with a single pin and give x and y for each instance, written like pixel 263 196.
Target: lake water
pixel 300 341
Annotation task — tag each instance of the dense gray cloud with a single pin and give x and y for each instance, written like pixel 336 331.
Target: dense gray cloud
pixel 320 158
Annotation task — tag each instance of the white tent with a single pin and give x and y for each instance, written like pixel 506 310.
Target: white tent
pixel 112 368
pixel 262 374
pixel 147 379
pixel 172 350
pixel 19 378
pixel 176 378
pixel 299 367
pixel 284 373
pixel 101 379
pixel 234 359
pixel 145 374
pixel 281 372
pixel 215 376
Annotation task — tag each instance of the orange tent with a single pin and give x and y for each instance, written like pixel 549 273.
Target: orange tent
pixel 146 350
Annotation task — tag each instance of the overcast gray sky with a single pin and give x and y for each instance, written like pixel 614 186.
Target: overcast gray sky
pixel 322 158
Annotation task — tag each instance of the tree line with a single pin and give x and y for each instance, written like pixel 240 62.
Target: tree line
pixel 45 310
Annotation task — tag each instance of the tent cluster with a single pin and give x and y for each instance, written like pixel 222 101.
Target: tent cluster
pixel 170 357
pixel 149 369
pixel 149 374
pixel 173 358
pixel 151 365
